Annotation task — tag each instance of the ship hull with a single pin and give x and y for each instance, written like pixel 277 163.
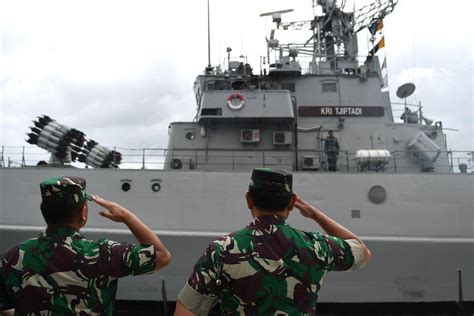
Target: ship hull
pixel 421 235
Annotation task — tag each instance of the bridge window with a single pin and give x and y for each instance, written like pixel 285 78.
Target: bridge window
pixel 198 96
pixel 211 112
pixel 329 87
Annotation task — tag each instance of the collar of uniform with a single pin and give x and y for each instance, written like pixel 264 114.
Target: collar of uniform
pixel 59 231
pixel 266 220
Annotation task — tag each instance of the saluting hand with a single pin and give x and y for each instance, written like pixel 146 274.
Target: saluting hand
pixel 306 209
pixel 113 210
pixel 142 232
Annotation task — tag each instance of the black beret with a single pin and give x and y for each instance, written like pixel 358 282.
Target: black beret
pixel 266 179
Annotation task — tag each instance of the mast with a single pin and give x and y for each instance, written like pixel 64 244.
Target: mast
pixel 208 36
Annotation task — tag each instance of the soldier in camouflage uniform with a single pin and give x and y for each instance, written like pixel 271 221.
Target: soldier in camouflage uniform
pixel 61 272
pixel 269 267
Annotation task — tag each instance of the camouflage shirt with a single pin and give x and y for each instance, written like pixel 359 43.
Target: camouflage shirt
pixel 267 268
pixel 62 273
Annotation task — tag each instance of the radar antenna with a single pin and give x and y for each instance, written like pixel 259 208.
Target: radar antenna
pixel 373 12
pixel 276 15
pixel 334 37
pixel 363 17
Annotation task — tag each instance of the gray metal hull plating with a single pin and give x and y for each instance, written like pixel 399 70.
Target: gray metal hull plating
pixel 420 236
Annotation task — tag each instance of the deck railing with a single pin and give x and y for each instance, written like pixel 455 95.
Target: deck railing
pixel 222 159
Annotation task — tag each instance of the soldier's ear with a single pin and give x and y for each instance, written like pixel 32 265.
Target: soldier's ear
pixel 249 200
pixel 291 205
pixel 84 211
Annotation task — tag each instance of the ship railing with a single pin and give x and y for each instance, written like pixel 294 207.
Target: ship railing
pixel 337 63
pixel 401 161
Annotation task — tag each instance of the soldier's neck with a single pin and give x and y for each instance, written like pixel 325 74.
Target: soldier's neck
pixel 76 225
pixel 257 213
pixel 67 226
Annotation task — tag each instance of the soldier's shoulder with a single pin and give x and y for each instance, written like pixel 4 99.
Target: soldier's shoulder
pixel 228 240
pixel 25 245
pixel 222 240
pixel 89 244
pixel 242 233
pixel 31 243
pixel 13 251
pixel 293 230
pixel 307 235
pixel 312 234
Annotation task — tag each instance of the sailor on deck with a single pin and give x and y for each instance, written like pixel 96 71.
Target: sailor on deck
pixel 269 267
pixel 331 149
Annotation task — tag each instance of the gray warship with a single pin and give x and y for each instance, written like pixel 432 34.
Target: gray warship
pixel 395 183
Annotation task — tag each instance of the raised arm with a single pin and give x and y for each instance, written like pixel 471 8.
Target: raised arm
pixel 330 226
pixel 142 232
pixel 181 310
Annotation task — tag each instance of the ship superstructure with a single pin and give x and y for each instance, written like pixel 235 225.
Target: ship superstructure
pixel 281 118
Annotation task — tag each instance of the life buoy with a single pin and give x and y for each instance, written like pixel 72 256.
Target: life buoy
pixel 238 106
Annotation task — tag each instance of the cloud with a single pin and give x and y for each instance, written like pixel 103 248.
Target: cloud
pixel 415 75
pixel 121 71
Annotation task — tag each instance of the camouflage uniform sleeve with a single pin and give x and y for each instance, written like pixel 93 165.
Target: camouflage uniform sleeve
pixel 201 291
pixel 7 300
pixel 122 259
pixel 334 252
pixel 357 252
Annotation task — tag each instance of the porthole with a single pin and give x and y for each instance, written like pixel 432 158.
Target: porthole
pixel 377 194
pixel 156 187
pixel 126 186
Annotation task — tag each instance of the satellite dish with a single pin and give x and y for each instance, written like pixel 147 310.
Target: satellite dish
pixel 406 90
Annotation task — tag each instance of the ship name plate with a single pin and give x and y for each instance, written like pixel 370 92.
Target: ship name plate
pixel 341 111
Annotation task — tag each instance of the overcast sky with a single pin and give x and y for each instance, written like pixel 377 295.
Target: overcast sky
pixel 121 71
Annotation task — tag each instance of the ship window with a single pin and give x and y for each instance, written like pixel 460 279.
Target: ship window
pixel 329 87
pixel 126 185
pixel 198 96
pixel 222 85
pixel 212 112
pixel 155 185
pixel 211 86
